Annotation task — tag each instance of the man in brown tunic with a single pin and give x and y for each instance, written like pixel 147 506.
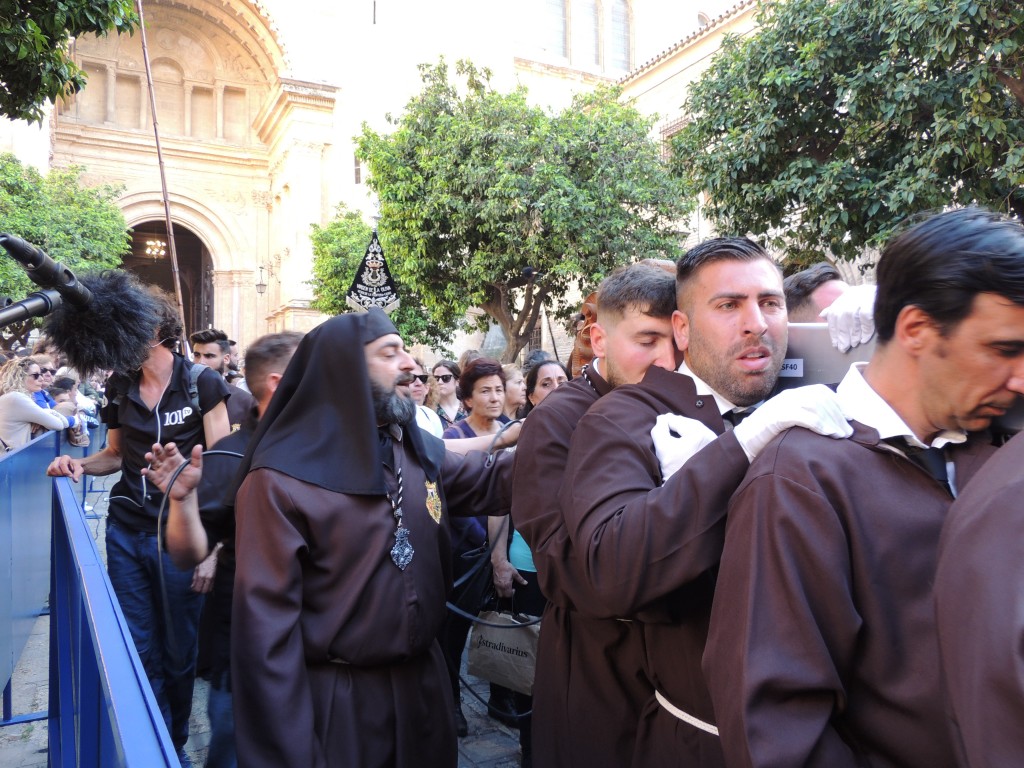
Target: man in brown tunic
pixel 343 562
pixel 644 543
pixel 579 718
pixel 822 649
pixel 979 594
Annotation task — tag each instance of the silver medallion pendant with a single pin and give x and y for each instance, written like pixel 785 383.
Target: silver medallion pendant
pixel 402 551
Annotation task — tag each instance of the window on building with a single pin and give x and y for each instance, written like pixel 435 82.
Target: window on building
pixel 586 34
pixel 590 35
pixel 618 41
pixel 556 14
pixel 358 170
pixel 536 338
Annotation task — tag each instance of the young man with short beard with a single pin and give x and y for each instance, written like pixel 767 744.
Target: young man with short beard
pixel 645 540
pixel 633 331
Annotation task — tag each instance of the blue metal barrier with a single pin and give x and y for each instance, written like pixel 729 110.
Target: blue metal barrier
pixel 102 709
pixel 24 548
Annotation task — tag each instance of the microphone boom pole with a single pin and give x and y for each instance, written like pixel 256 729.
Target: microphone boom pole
pixel 163 175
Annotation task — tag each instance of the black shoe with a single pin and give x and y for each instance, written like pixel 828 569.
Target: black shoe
pixel 461 726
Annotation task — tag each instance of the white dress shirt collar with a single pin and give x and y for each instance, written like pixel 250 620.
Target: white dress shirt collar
pixel 861 403
pixel 724 406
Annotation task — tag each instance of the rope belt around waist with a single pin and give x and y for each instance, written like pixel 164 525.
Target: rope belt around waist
pixel 685 716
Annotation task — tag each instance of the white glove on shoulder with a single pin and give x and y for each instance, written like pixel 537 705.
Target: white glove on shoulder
pixel 851 317
pixel 677 438
pixel 815 407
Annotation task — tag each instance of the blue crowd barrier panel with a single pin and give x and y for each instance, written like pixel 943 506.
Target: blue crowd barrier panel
pixel 102 709
pixel 24 552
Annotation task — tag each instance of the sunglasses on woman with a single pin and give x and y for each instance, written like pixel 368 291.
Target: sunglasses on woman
pixel 444 378
pixel 34 375
pixel 421 377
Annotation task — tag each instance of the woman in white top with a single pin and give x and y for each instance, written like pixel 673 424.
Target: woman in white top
pixel 19 380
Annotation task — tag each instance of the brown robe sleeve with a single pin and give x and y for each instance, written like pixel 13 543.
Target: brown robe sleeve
pixel 542 456
pixel 638 540
pixel 273 702
pixel 783 627
pixel 476 481
pixel 979 593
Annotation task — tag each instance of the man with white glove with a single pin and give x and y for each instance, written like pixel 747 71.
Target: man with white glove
pixel 822 649
pixel 851 317
pixel 647 546
pixel 677 438
pixel 814 407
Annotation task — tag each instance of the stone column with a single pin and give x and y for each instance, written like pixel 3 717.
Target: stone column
pixel 111 110
pixel 143 101
pixel 220 110
pixel 188 109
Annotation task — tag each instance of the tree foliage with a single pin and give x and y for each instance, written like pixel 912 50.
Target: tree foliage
pixel 78 226
pixel 837 119
pixel 488 201
pixel 35 64
pixel 338 249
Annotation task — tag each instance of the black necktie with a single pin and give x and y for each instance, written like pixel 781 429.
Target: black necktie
pixel 735 416
pixel 931 460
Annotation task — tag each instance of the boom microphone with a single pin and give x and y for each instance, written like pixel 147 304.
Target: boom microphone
pixel 111 331
pixel 45 272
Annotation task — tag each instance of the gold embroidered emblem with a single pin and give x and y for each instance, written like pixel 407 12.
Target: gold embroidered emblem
pixel 433 502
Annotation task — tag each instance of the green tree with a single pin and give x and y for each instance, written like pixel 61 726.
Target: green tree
pixel 35 64
pixel 838 119
pixel 338 249
pixel 490 202
pixel 79 226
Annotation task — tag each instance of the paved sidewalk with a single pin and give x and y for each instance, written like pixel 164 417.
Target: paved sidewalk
pixel 488 745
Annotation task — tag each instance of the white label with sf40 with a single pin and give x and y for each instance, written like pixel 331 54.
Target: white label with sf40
pixel 792 368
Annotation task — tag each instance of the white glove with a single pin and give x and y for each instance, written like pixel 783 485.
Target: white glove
pixel 851 317
pixel 815 407
pixel 677 438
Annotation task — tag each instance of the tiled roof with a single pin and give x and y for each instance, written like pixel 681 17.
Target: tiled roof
pixel 711 25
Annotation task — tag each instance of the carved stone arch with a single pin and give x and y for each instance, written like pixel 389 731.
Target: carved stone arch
pixel 232 126
pixel 228 61
pixel 247 23
pixel 217 234
pixel 204 249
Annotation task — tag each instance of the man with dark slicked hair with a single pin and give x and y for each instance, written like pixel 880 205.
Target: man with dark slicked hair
pixel 650 471
pixel 213 349
pixel 811 290
pixel 822 649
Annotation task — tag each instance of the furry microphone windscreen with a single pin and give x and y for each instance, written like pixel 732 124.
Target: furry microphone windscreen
pixel 114 331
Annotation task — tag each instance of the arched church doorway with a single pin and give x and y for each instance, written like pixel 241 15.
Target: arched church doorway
pixel 150 260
